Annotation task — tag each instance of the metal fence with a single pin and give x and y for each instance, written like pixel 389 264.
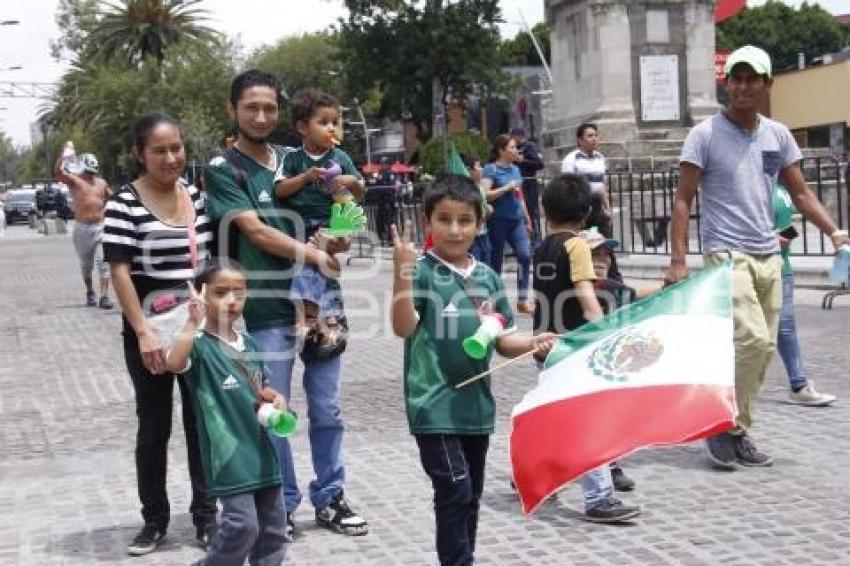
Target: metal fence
pixel 641 203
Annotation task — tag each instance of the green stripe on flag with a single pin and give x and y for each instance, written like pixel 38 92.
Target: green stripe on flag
pixel 706 292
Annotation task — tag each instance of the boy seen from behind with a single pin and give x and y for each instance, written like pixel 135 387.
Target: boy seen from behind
pixel 438 301
pixel 565 299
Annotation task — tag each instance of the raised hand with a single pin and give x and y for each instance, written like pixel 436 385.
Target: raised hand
pixel 197 304
pixel 404 250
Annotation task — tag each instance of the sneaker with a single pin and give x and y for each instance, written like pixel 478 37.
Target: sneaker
pixel 611 510
pixel 525 307
pixel 809 397
pixel 748 455
pixel 205 533
pixel 146 541
pixel 105 303
pixel 91 299
pixel 290 527
pixel 622 482
pixel 339 517
pixel 722 451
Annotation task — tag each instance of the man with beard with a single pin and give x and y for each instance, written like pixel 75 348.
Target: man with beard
pixel 260 234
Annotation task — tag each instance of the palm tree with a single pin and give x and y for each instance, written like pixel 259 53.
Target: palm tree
pixel 137 29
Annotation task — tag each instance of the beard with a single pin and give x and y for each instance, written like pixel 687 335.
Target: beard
pixel 251 138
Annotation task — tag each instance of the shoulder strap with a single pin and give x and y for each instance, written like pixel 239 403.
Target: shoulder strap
pixel 234 162
pixel 191 217
pixel 254 378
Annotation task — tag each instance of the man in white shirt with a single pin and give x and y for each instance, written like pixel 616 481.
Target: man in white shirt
pixel 590 164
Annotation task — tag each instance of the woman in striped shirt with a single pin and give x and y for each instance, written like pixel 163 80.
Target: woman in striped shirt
pixel 156 235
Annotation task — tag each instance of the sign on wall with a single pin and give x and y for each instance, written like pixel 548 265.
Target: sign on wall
pixel 659 88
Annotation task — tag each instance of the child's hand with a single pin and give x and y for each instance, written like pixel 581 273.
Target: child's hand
pixel 329 243
pixel 343 182
pixel 404 250
pixel 313 175
pixel 279 402
pixel 197 304
pixel 542 344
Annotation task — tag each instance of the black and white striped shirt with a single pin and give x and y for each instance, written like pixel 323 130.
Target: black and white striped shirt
pixel 154 249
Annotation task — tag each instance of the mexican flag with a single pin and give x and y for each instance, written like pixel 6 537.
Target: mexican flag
pixel 657 372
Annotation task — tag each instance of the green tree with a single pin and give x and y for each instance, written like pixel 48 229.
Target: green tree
pixel 11 158
pixel 432 155
pixel 97 102
pixel 784 32
pixel 137 29
pixel 76 19
pixel 402 49
pixel 309 60
pixel 520 50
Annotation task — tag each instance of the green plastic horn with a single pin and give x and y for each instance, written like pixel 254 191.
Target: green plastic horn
pixel 280 423
pixel 477 345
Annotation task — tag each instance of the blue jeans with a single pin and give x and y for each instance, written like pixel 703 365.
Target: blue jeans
pixel 786 340
pixel 480 249
pixel 308 284
pixel 321 388
pixel 253 526
pixel 514 233
pixel 596 486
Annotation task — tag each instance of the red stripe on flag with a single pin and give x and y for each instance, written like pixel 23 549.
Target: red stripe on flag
pixel 560 441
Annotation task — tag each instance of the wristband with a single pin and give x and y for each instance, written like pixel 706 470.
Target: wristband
pixel 838 232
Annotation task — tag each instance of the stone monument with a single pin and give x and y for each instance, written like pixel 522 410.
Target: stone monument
pixel 642 70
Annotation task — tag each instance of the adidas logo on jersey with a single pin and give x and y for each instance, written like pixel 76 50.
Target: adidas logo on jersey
pixel 264 196
pixel 230 383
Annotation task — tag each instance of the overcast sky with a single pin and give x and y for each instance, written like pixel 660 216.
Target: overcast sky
pixel 256 22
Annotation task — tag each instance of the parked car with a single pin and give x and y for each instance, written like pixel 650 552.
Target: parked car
pixel 20 203
pixel 68 213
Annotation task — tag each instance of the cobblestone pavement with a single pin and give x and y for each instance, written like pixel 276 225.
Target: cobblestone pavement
pixel 67 481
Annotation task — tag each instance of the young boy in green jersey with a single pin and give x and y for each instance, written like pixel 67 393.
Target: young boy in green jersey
pixel 438 299
pixel 225 374
pixel 305 185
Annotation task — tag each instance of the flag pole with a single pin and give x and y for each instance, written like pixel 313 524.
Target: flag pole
pixel 484 374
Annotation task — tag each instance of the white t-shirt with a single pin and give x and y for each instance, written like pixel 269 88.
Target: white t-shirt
pixel 591 167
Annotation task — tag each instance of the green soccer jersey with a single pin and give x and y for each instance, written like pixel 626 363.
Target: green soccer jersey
pixel 236 452
pixel 269 276
pixel 313 201
pixel 446 301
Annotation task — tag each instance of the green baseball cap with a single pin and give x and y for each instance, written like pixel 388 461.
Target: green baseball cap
pixel 89 162
pixel 753 56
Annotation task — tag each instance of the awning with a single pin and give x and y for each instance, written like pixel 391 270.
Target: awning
pixel 400 168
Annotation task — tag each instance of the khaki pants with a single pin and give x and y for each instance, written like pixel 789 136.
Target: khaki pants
pixel 756 302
